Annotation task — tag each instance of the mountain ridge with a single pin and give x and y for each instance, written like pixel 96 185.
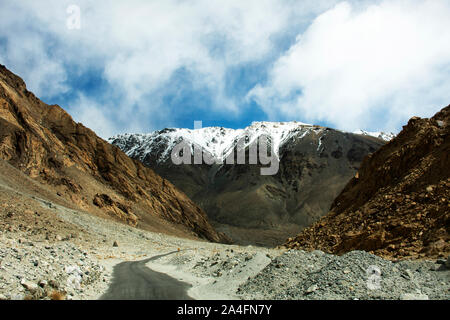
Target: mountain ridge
pixel 45 143
pixel 315 164
pixel 397 206
pixel 219 141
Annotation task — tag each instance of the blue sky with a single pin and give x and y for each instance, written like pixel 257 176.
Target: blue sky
pixel 138 66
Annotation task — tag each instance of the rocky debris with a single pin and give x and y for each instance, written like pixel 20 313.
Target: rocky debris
pixel 447 263
pixel 81 267
pixel 43 283
pixel 45 143
pixel 398 206
pixel 256 273
pixel 62 268
pixel 74 276
pixel 311 289
pixel 115 244
pixel 217 272
pixel 414 296
pixel 30 286
pixel 221 263
pixel 354 275
pixel 115 208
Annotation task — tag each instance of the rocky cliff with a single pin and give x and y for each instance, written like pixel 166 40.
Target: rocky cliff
pixel 45 143
pixel 398 204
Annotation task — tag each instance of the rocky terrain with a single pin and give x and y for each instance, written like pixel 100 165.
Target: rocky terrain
pixel 315 164
pixel 80 264
pixel 47 271
pixel 72 207
pixel 74 165
pixel 356 275
pixel 51 251
pixel 397 206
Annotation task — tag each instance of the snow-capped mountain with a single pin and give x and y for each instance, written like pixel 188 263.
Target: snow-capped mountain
pixel 217 141
pixel 386 136
pixel 315 164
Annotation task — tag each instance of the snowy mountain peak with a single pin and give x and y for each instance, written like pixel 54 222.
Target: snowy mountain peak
pixel 218 141
pixel 386 136
pixel 269 124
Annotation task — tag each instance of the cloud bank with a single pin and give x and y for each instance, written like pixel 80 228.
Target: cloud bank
pixel 370 67
pixel 141 65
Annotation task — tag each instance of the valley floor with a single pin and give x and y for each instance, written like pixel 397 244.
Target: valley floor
pixel 50 251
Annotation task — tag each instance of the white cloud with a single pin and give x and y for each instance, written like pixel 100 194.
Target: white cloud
pixel 28 54
pixel 141 43
pixel 93 116
pixel 355 62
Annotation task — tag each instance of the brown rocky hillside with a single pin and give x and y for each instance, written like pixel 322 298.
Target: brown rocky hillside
pixel 398 204
pixel 80 168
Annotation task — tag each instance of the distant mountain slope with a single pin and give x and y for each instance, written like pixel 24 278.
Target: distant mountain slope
pixel 399 203
pixel 315 164
pixel 45 143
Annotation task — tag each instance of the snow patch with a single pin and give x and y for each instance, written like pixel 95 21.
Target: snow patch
pixel 219 142
pixel 386 136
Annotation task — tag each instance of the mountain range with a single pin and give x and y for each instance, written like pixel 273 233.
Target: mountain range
pixel 315 163
pixel 334 191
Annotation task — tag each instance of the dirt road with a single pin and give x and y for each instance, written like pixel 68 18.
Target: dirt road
pixel 134 281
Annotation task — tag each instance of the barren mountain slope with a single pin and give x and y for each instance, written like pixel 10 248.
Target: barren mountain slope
pixel 47 145
pixel 398 205
pixel 315 164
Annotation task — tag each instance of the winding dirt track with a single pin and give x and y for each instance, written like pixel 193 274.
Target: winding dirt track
pixel 134 281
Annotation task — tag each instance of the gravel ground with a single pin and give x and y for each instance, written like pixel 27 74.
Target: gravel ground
pixel 78 263
pixel 33 270
pixel 256 273
pixel 355 275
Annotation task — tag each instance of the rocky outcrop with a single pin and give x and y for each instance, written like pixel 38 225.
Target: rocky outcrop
pixel 398 204
pixel 115 208
pixel 45 143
